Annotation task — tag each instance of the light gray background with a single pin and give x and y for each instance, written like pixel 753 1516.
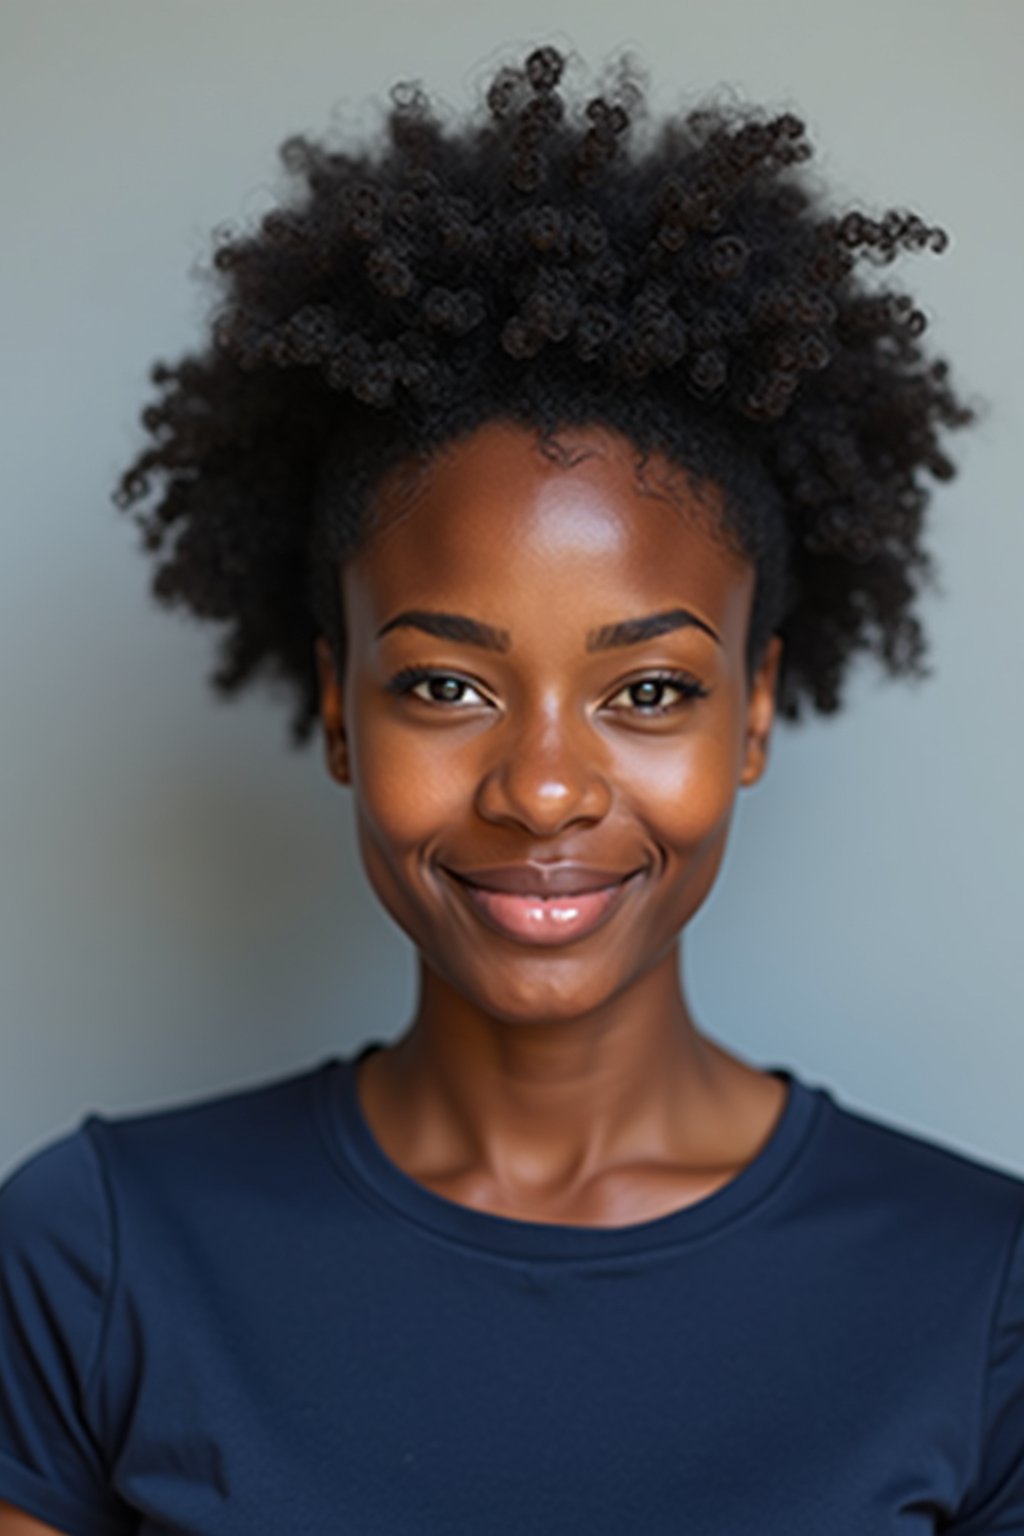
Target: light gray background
pixel 180 904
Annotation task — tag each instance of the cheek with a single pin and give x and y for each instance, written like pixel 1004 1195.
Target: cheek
pixel 397 789
pixel 686 792
pixel 406 797
pixel 685 798
pixel 395 783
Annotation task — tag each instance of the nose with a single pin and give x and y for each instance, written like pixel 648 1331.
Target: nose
pixel 545 775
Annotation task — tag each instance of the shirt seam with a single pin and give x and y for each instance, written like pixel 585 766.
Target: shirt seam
pixel 94 1371
pixel 985 1372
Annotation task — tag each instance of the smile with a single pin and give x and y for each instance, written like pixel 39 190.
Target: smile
pixel 532 918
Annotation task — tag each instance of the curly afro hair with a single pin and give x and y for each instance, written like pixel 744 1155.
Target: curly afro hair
pixel 683 282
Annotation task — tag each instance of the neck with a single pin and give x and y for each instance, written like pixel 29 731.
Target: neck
pixel 548 1106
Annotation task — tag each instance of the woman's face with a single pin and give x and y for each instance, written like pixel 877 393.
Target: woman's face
pixel 545 667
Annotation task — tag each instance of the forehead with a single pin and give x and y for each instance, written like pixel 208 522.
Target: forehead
pixel 497 515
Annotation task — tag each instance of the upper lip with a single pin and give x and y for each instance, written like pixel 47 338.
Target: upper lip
pixel 530 879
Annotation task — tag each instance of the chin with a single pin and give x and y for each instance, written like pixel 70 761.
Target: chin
pixel 561 995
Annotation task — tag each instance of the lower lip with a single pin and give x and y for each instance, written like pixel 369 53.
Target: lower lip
pixel 550 921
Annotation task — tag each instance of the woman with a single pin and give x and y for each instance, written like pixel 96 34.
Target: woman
pixel 546 468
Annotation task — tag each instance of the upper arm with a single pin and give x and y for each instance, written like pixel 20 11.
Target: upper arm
pixel 56 1267
pixel 995 1503
pixel 14 1522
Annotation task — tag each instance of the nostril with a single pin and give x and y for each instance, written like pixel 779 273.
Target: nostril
pixel 542 801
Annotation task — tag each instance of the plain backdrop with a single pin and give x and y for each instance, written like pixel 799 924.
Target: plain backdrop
pixel 181 909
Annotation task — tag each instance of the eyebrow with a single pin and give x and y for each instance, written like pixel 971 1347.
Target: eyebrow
pixel 457 627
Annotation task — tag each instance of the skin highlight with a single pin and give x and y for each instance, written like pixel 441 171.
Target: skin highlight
pixel 566 1083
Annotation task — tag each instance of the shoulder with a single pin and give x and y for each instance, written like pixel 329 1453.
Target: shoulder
pixel 54 1217
pixel 924 1244
pixel 77 1183
pixel 928 1189
pixel 247 1127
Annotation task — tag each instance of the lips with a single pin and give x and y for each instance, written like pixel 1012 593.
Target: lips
pixel 544 904
pixel 537 879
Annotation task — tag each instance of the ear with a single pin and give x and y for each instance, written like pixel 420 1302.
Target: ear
pixel 761 713
pixel 332 714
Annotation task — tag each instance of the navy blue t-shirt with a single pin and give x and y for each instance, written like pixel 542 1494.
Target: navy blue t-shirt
pixel 239 1316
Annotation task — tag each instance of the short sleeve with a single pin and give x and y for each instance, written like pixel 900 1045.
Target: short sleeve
pixel 995 1503
pixel 56 1267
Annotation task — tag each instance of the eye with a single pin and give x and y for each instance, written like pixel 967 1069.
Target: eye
pixel 647 693
pixel 440 687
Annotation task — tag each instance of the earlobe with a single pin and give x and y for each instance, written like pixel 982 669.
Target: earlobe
pixel 332 714
pixel 761 713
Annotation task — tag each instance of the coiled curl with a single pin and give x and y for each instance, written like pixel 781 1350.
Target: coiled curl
pixel 694 291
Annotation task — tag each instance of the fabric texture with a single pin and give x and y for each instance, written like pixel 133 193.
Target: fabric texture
pixel 238 1317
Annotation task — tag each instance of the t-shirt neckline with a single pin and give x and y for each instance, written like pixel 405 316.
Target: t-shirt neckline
pixel 363 1159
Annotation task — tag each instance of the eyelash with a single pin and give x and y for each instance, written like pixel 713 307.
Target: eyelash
pixel 407 679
